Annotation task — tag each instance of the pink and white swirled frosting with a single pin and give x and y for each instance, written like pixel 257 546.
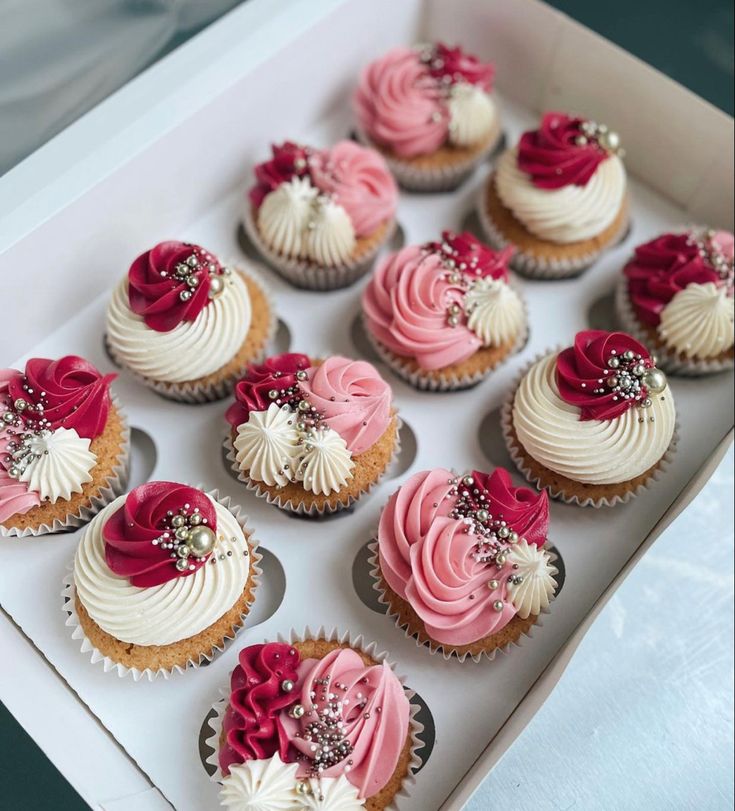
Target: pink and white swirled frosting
pixel 436 551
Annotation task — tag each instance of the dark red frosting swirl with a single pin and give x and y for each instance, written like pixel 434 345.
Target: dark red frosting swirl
pixel 289 160
pixel 72 392
pixel 660 269
pixel 472 257
pixel 251 393
pixel 551 156
pixel 524 510
pixel 252 727
pixel 130 531
pixel 163 298
pixel 581 371
pixel 455 65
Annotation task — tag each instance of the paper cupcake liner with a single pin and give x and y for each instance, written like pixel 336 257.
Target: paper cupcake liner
pixel 667 359
pixel 538 267
pixel 343 638
pixel 436 647
pixel 438 178
pixel 300 508
pixel 424 381
pixel 305 274
pixel 68 594
pixel 506 425
pixel 114 486
pixel 218 390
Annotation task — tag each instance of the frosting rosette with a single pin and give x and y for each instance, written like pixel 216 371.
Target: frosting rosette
pixel 261 686
pixel 564 151
pixel 467 254
pixel 289 160
pixel 450 546
pixel 456 65
pixel 164 530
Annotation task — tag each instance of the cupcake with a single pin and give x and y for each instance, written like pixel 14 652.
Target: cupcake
pixel 186 325
pixel 430 112
pixel 311 436
pixel 460 561
pixel 560 197
pixel 319 216
pixel 676 295
pixel 443 315
pixel 162 577
pixel 64 445
pixel 594 423
pixel 315 723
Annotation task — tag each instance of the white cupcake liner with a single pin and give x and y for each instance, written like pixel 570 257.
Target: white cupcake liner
pixel 343 638
pixel 197 392
pixel 506 424
pixel 667 359
pixel 437 647
pixel 435 179
pixel 538 267
pixel 299 508
pixel 305 274
pixel 424 381
pixel 68 594
pixel 114 486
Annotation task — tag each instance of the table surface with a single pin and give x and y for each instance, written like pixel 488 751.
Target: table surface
pixel 643 717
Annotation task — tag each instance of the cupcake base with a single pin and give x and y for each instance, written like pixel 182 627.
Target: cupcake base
pixel 535 257
pixel 668 359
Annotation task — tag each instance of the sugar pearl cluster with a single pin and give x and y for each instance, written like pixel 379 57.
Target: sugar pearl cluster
pixel 590 132
pixel 629 376
pixel 710 250
pixel 191 273
pixel 23 421
pixel 186 536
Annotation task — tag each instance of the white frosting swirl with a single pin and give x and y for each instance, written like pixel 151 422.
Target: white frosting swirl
pixel 329 794
pixel 698 321
pixel 537 585
pixel 171 611
pixel 326 464
pixel 569 214
pixel 261 785
pixel 472 114
pixel 494 311
pixel 589 451
pixel 192 349
pixel 60 463
pixel 267 445
pixel 330 237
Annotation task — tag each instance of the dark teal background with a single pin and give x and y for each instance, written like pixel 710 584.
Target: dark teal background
pixel 690 41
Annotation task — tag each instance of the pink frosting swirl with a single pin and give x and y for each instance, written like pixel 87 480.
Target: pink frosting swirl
pixel 371 704
pixel 405 306
pixel 428 552
pixel 400 105
pixel 354 399
pixel 360 182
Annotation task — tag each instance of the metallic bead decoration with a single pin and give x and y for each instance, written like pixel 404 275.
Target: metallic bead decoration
pixel 610 140
pixel 20 404
pixel 183 551
pixel 193 281
pixel 8 417
pixel 612 381
pixel 182 564
pixel 182 534
pixel 216 286
pixel 304 405
pixel 185 295
pixel 297 711
pixel 629 354
pixel 647 403
pixel 468 480
pixel 513 537
pixel 192 261
pixel 178 521
pixel 273 394
pixel 13 472
pixel 201 541
pixel 301 375
pixel 500 560
pixel 195 519
pixel 613 363
pixel 498 605
pixel 503 532
pixel 654 380
pixel 492 584
pixel 482 515
pixel 287 685
pixel 302 787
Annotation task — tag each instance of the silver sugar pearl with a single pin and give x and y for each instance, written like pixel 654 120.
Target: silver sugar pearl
pixel 304 405
pixel 216 286
pixel 629 354
pixel 182 533
pixel 513 537
pixel 287 685
pixel 273 394
pixel 492 584
pixel 482 515
pixel 613 363
pixel 185 295
pixel 20 404
pixel 178 521
pixel 195 519
pixel 498 605
pixel 183 551
pixel 503 532
pixel 654 380
pixel 182 564
pixel 201 541
pixel 297 711
pixel 301 375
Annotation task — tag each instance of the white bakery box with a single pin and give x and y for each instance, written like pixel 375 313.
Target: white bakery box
pixel 168 157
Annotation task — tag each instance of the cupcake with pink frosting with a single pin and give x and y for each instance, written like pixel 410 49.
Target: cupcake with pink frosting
pixel 319 722
pixel 442 315
pixel 431 113
pixel 676 295
pixel 311 435
pixel 461 561
pixel 319 216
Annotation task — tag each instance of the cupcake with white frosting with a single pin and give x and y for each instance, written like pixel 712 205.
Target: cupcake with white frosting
pixel 443 315
pixel 311 435
pixel 319 216
pixel 64 445
pixel 676 295
pixel 162 578
pixel 461 561
pixel 431 113
pixel 185 324
pixel 559 196
pixel 594 423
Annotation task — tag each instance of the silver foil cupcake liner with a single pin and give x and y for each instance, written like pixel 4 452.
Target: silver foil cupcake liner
pixel 68 594
pixel 114 486
pixel 305 274
pixel 506 425
pixel 206 393
pixel 667 359
pixel 357 643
